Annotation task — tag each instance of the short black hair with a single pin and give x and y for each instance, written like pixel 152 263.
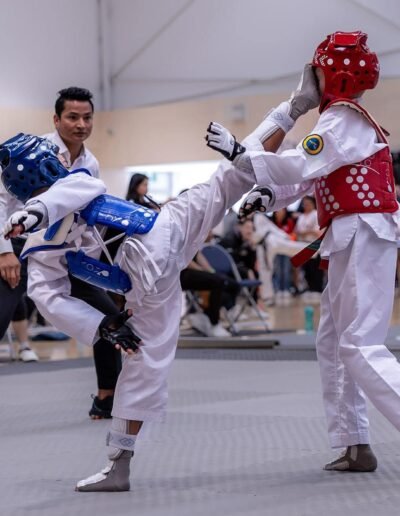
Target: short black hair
pixel 72 93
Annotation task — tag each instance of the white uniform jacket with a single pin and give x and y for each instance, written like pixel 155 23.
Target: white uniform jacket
pixel 347 138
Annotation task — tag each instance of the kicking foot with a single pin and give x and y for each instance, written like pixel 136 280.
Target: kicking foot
pixel 114 477
pixel 101 409
pixel 359 457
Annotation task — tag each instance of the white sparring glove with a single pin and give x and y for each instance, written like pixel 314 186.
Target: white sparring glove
pixel 221 140
pixel 29 219
pixel 259 199
pixel 306 96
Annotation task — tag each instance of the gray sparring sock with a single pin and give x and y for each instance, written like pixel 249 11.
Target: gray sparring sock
pixel 359 457
pixel 115 477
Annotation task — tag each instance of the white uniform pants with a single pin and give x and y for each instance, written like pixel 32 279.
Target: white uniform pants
pixel 356 308
pixel 180 230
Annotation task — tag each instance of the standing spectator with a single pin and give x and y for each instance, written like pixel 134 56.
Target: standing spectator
pixel 282 266
pixel 137 191
pixel 273 241
pixel 307 229
pixel 73 121
pixel 13 280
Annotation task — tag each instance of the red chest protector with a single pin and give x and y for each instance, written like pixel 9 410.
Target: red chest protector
pixel 365 187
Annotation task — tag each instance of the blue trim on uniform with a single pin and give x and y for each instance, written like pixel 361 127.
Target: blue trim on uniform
pixel 52 230
pixel 24 255
pixel 84 170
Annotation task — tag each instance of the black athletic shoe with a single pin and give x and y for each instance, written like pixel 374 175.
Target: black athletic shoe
pixel 101 409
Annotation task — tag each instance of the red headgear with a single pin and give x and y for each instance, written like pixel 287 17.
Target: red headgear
pixel 348 65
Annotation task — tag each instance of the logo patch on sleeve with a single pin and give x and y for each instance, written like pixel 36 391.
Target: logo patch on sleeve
pixel 313 144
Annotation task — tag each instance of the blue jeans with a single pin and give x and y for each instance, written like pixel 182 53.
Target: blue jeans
pixel 282 273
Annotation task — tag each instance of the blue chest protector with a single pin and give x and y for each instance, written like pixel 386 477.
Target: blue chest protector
pixel 128 218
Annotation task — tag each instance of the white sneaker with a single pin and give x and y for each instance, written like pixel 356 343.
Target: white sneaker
pixel 263 313
pixel 269 301
pixel 315 297
pixel 28 355
pixel 219 331
pixel 201 323
pixel 306 296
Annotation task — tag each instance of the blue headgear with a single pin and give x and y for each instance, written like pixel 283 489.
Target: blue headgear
pixel 29 163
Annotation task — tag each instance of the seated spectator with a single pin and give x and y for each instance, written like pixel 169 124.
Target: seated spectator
pixel 199 275
pixel 240 243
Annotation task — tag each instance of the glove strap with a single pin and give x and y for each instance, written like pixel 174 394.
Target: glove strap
pixel 280 117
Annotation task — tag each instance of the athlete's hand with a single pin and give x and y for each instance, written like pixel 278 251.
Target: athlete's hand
pixel 306 96
pixel 221 140
pixel 21 221
pixel 259 199
pixel 114 330
pixel 10 269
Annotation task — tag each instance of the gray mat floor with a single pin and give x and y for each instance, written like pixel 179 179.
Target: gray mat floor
pixel 243 437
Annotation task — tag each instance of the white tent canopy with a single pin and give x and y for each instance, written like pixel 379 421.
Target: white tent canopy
pixel 143 52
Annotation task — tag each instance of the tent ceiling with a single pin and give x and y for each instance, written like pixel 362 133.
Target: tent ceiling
pixel 142 52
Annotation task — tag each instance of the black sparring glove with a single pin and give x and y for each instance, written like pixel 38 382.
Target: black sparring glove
pixel 28 218
pixel 221 140
pixel 258 199
pixel 114 330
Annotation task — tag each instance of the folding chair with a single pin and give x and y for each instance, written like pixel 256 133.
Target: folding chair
pixel 190 303
pixel 222 262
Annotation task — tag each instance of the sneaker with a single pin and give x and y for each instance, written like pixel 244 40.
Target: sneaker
pixel 315 297
pixel 27 355
pixel 219 331
pixel 263 313
pixel 101 409
pixel 269 301
pixel 200 322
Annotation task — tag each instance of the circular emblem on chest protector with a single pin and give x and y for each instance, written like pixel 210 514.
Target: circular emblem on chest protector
pixel 313 144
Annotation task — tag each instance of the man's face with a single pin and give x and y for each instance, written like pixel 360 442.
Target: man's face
pixel 76 121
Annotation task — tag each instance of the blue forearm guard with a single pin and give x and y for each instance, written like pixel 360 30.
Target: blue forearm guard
pixel 125 216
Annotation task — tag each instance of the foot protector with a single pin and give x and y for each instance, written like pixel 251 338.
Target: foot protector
pixel 114 477
pixel 359 458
